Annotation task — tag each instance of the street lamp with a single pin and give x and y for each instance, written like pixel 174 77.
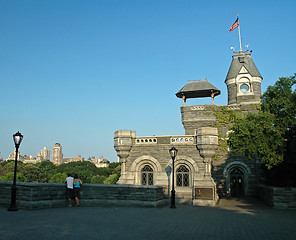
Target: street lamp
pixel 17 138
pixel 173 152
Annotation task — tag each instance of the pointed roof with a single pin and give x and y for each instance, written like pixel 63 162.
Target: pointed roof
pixel 242 62
pixel 197 89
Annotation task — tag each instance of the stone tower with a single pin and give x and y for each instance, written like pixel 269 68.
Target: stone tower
pixel 57 155
pixel 243 80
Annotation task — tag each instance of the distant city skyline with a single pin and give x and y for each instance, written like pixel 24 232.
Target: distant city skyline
pixel 45 154
pixel 57 157
pixel 75 72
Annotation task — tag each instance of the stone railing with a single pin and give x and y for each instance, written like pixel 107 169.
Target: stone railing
pixel 146 140
pixel 49 195
pixel 278 197
pixel 185 139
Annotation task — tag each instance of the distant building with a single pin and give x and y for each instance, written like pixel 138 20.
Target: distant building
pixel 76 159
pixel 29 159
pixel 100 162
pixel 12 156
pixel 57 155
pixel 67 160
pixel 43 155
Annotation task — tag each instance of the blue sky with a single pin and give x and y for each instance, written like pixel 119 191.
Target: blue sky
pixel 74 72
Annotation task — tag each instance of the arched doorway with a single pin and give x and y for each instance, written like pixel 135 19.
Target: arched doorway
pixel 237 182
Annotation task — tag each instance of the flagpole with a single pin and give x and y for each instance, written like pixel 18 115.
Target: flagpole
pixel 239 35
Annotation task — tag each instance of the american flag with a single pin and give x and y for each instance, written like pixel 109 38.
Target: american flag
pixel 234 25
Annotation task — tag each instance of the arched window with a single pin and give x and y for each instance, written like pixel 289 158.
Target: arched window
pixel 182 179
pixel 147 175
pixel 244 85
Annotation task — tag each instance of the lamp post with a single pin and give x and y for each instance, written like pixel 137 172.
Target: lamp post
pixel 173 152
pixel 17 138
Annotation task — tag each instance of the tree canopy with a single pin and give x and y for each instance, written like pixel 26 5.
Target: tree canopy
pixel 280 100
pixel 46 171
pixel 255 136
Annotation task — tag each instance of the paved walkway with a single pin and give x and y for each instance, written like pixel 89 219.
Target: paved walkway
pixel 231 219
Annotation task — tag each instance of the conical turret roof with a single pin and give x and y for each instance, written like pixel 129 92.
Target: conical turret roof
pixel 239 60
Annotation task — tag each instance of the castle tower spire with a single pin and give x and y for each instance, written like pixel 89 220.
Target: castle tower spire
pixel 243 80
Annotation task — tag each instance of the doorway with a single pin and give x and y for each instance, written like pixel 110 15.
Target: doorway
pixel 237 183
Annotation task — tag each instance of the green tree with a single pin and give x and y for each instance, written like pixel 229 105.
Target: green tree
pixel 256 136
pixel 9 177
pixel 47 170
pixel 112 179
pixel 85 170
pixel 31 172
pixel 8 166
pixel 58 178
pixel 280 100
pixel 98 179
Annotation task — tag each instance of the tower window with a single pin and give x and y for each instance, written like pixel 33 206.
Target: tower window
pixel 244 88
pixel 241 59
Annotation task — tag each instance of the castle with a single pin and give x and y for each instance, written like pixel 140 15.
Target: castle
pixel 201 175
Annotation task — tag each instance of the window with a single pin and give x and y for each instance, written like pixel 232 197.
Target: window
pixel 244 87
pixel 182 176
pixel 241 59
pixel 147 175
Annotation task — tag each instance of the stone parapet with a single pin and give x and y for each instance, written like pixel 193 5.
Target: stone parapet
pixel 49 195
pixel 278 197
pixel 198 116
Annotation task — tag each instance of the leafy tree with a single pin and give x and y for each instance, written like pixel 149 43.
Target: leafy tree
pixel 256 136
pixel 8 166
pixel 280 100
pixel 9 177
pixel 85 170
pixel 47 170
pixel 112 179
pixel 114 166
pixel 58 178
pixel 98 179
pixel 31 172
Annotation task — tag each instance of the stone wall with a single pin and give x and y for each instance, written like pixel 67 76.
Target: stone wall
pixel 194 157
pixel 195 117
pixel 48 195
pixel 278 197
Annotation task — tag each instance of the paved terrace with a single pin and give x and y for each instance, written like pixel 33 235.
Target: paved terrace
pixel 231 219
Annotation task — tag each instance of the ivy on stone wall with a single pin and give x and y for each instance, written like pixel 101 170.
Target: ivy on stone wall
pixel 225 118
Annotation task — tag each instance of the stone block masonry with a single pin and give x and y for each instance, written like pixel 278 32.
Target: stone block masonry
pixel 278 197
pixel 51 195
